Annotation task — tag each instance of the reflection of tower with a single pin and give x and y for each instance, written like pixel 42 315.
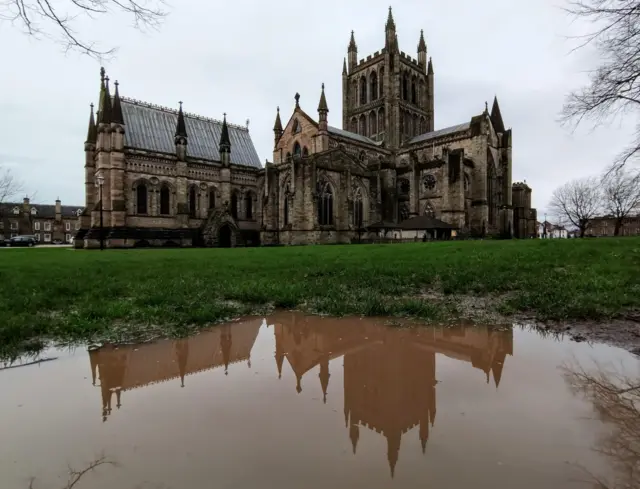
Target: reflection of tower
pixel 324 377
pixel 182 354
pixel 225 346
pixel 111 373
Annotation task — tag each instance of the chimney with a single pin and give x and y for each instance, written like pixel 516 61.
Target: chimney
pixel 58 210
pixel 25 204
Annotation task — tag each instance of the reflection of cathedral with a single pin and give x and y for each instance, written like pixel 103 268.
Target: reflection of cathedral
pixel 132 366
pixel 389 373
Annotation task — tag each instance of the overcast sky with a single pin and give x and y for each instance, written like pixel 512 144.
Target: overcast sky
pixel 246 57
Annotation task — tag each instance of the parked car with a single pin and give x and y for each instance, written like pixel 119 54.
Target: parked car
pixel 3 242
pixel 23 241
pixel 58 242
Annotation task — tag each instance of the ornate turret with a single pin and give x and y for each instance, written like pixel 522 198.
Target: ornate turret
pixel 422 51
pixel 225 143
pixel 391 39
pixel 116 110
pixel 277 128
pixel 323 127
pixel 104 109
pixel 352 53
pixel 92 133
pixel 180 138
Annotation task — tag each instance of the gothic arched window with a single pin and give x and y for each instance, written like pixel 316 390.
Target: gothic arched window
pixel 381 123
pixel 193 202
pixel 165 200
pixel 358 210
pixel 414 92
pixel 248 206
pixel 305 152
pixel 373 124
pixel 212 199
pixel 405 87
pixel 374 86
pixel 296 126
pixel 363 125
pixel 297 150
pixel 234 205
pixel 141 198
pixel 381 82
pixel 363 90
pixel 354 125
pixel 325 204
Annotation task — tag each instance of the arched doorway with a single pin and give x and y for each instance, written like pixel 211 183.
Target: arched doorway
pixel 224 236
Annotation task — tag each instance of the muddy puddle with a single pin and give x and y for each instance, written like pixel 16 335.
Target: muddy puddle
pixel 308 402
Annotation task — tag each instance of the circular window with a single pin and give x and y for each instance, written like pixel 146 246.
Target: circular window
pixel 429 182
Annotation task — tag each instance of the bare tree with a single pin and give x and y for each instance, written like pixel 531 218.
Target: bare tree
pixel 614 87
pixel 9 185
pixel 76 475
pixel 621 194
pixel 55 18
pixel 577 201
pixel 616 400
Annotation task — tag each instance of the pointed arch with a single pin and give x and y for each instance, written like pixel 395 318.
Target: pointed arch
pixel 363 90
pixel 212 198
pixel 358 209
pixel 165 200
pixel 363 125
pixel 248 205
pixel 421 94
pixel 405 86
pixel 297 150
pixel 373 86
pixel 305 152
pixel 142 198
pixel 295 127
pixel 429 211
pixel 381 121
pixel 234 204
pixel 354 125
pixel 193 201
pixel 373 123
pixel 414 91
pixel 381 82
pixel 325 203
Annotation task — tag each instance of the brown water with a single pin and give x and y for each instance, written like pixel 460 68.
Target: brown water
pixel 307 402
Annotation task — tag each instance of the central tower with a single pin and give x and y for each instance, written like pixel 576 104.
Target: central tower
pixel 388 96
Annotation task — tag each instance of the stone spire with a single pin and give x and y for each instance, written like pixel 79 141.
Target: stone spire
pixel 322 106
pixel 353 47
pixel 430 67
pixel 104 116
pixel 422 46
pixel 344 66
pixel 354 436
pixel 92 133
pixel 277 128
pixel 181 127
pixel 225 142
pixel 390 25
pixel 116 111
pixel 180 138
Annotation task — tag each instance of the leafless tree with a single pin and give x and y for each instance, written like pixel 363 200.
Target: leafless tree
pixel 621 194
pixel 616 400
pixel 54 19
pixel 614 86
pixel 76 475
pixel 577 201
pixel 9 185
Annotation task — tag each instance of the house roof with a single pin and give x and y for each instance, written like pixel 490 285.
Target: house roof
pixel 440 132
pixel 44 211
pixel 424 222
pixel 151 127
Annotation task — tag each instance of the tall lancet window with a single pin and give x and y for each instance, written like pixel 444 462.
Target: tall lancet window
pixel 325 204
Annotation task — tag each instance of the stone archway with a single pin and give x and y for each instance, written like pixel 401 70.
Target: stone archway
pixel 220 229
pixel 224 236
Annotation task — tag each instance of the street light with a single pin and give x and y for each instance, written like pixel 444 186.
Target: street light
pixel 99 184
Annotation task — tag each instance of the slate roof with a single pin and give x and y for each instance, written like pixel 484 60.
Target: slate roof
pixel 440 132
pixel 44 211
pixel 152 128
pixel 352 135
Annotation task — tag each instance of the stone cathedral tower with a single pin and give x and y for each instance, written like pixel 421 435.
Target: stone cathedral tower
pixel 388 96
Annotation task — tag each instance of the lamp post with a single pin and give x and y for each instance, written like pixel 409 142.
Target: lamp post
pixel 99 184
pixel 544 229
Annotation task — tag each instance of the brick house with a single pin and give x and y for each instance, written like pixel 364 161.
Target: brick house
pixel 48 223
pixel 606 225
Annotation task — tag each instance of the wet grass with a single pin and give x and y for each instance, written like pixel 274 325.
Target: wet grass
pixel 68 295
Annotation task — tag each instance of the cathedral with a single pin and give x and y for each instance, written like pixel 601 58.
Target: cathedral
pixel 164 177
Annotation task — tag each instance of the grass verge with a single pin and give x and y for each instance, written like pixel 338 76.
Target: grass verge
pixel 116 295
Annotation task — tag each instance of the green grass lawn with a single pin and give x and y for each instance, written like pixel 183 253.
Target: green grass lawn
pixel 70 295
